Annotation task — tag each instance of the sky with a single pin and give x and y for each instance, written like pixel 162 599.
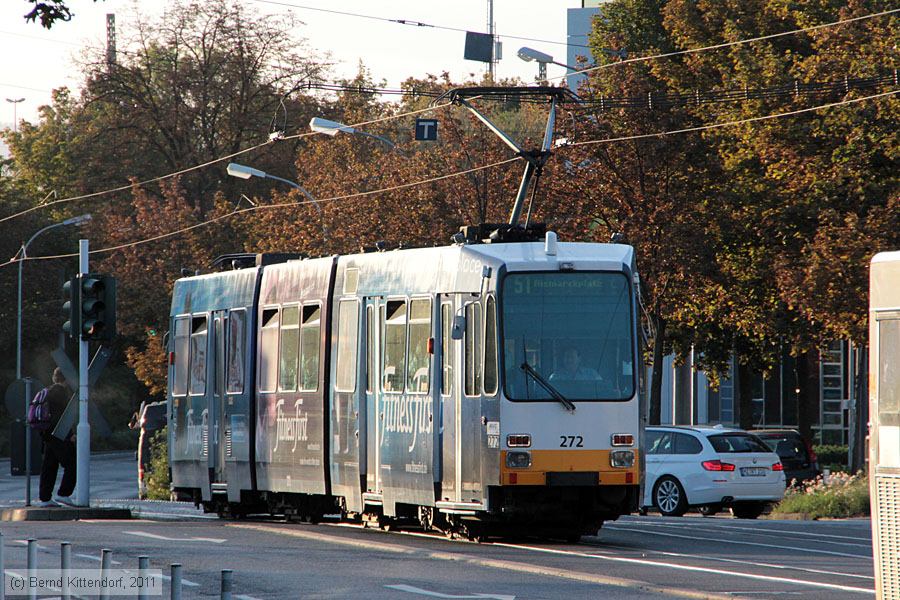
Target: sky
pixel 36 60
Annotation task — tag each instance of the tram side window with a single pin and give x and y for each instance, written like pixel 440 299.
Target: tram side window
pixel 490 347
pixel 235 373
pixel 394 346
pixel 419 332
pixel 268 351
pixel 473 349
pixel 348 328
pixel 198 355
pixel 889 372
pixel 182 353
pixel 289 348
pixel 310 347
pixel 446 349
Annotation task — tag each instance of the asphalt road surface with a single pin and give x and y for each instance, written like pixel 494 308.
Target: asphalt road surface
pixel 633 558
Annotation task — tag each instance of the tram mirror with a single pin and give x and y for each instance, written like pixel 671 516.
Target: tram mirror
pixel 459 326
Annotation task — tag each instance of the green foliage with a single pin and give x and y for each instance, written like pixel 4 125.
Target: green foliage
pixel 157 475
pixel 829 454
pixel 843 496
pixel 119 439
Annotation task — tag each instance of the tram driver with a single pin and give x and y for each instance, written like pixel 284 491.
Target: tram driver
pixel 570 368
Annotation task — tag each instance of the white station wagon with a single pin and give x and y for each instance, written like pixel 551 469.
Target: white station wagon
pixel 710 468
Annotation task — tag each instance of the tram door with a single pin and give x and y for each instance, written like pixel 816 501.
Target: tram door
pixel 217 422
pixel 460 397
pixel 374 313
pixel 450 483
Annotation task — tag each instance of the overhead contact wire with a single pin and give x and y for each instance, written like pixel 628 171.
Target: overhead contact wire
pixel 455 174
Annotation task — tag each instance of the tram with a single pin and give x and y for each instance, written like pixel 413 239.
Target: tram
pixel 491 385
pixel 884 411
pixel 460 387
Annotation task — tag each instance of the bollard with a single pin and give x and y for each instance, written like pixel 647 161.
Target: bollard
pixel 2 571
pixel 226 584
pixel 105 562
pixel 143 566
pixel 32 567
pixel 65 563
pixel 176 582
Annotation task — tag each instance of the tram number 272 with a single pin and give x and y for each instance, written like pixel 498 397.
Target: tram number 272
pixel 571 441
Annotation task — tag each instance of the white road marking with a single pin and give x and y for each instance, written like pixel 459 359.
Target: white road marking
pixel 171 539
pixel 245 597
pixel 708 523
pixel 679 567
pixel 758 564
pixel 184 581
pixel 414 590
pixel 96 558
pixel 694 537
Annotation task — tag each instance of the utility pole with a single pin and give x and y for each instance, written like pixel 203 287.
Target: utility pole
pixel 83 431
pixel 492 66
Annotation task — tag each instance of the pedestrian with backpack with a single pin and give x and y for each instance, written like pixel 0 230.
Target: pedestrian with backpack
pixel 44 414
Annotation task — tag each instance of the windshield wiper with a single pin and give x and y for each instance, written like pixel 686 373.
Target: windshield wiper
pixel 570 406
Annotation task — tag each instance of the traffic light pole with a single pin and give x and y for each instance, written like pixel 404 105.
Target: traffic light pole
pixel 83 431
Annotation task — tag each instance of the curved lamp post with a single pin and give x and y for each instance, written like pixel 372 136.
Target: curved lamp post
pixel 542 59
pixel 22 254
pixel 320 125
pixel 245 172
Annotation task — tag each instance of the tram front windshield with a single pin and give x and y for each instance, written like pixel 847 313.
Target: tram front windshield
pixel 575 331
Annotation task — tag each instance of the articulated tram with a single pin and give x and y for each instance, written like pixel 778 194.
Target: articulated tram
pixel 473 388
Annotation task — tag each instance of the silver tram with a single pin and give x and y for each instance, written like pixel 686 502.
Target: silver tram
pixel 472 388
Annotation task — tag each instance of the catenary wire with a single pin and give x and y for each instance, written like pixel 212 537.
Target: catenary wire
pixel 203 165
pixel 275 206
pixel 645 58
pixel 458 173
pixel 408 22
pixel 730 123
pixel 726 44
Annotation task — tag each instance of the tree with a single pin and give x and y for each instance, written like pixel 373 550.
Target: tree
pixel 49 12
pixel 656 191
pixel 207 80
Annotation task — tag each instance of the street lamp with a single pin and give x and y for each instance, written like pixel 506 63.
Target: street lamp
pixel 22 254
pixel 245 172
pixel 320 125
pixel 542 59
pixel 15 103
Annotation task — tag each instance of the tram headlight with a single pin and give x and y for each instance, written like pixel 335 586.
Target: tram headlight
pixel 621 458
pixel 518 460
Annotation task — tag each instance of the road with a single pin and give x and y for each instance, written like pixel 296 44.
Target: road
pixel 633 558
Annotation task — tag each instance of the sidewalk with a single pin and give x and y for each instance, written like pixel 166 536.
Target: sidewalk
pixel 113 474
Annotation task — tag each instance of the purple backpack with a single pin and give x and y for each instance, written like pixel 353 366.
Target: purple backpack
pixel 39 411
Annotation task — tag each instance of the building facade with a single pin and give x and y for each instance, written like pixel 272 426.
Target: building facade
pixel 688 398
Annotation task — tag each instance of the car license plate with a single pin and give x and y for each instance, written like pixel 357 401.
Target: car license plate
pixel 753 471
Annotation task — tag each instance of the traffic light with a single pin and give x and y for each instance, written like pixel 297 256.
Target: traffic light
pixel 91 307
pixel 72 307
pixel 98 307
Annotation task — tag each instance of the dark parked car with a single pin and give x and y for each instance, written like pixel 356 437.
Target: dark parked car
pixel 148 420
pixel 797 455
